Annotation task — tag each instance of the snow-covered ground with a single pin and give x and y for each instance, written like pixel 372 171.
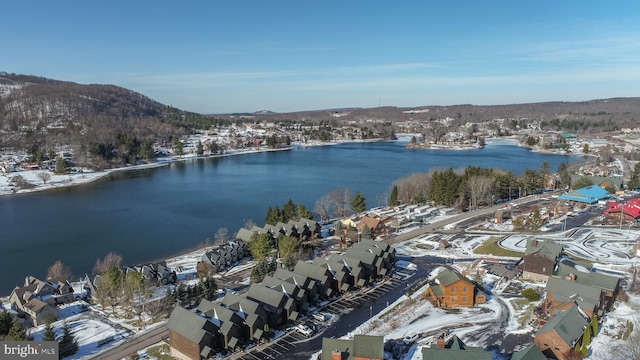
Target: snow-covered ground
pixel 92 330
pixel 416 319
pixel 608 245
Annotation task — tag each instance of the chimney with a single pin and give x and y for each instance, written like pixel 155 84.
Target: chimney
pixel 336 355
pixel 440 343
pixel 534 242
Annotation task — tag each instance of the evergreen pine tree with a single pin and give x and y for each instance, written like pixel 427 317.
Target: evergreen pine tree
pixel 5 323
pixel 366 232
pixel 61 166
pixel 18 332
pixel 48 334
pixel 68 341
pixel 288 211
pixel 393 198
pixel 170 299
pixel 359 203
pixel 303 213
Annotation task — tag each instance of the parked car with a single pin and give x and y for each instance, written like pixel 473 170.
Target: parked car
pixel 319 317
pixel 304 330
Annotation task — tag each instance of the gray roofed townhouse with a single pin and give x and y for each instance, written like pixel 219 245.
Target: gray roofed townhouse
pixel 339 271
pixel 295 291
pixel 254 315
pixel 232 327
pixel 327 285
pixel 303 281
pixel 244 234
pixel 361 275
pixel 368 258
pixel 280 307
pixel 191 336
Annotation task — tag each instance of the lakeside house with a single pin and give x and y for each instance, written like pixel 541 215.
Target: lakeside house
pixel 37 300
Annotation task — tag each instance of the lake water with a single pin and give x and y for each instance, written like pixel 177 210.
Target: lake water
pixel 150 214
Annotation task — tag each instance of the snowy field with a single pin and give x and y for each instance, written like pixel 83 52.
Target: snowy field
pixel 93 331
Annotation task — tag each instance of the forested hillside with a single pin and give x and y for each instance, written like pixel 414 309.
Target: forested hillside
pixel 42 115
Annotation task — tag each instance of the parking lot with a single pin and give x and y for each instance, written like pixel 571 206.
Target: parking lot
pixel 284 344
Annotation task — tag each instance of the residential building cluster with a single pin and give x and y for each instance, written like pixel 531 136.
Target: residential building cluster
pixel 278 301
pixel 576 299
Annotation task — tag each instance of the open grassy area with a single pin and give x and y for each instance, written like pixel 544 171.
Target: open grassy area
pixel 491 247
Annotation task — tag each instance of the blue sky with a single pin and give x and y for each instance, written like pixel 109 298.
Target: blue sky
pixel 232 56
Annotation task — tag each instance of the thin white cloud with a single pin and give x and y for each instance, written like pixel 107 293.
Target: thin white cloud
pixel 206 79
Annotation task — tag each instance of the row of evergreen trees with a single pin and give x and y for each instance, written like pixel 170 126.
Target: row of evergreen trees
pixel 188 296
pixel 289 211
pixel 473 186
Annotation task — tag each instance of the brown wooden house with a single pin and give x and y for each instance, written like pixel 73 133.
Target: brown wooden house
pixel 450 289
pixel 539 260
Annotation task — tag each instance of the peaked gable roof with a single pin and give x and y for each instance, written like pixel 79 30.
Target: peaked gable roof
pixel 531 352
pixel 361 346
pixel 454 349
pixel 549 248
pixel 586 296
pixel 584 275
pixel 569 324
pixel 190 325
pixel 448 276
pixel 268 296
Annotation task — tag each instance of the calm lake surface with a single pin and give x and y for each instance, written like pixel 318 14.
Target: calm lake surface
pixel 151 214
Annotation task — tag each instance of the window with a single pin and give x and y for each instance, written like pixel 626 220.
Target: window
pixel 464 299
pixel 464 289
pixel 453 299
pixel 453 289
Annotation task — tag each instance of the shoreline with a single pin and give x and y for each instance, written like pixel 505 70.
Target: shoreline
pixel 84 178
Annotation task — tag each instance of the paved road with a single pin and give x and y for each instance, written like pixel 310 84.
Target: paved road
pixel 134 344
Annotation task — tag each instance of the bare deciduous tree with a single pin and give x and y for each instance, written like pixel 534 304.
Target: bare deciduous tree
pixel 111 260
pixel 222 236
pixel 249 224
pixel 341 200
pixel 323 208
pixel 480 189
pixel 59 271
pixel 414 188
pixel 44 176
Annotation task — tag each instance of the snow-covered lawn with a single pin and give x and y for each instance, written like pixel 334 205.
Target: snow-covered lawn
pixel 91 330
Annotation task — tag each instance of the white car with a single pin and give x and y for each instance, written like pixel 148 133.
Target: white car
pixel 304 330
